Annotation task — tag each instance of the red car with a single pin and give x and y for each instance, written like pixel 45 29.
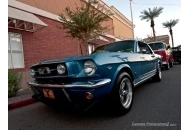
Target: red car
pixel 165 51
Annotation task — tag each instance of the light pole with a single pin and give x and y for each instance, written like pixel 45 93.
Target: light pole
pixel 132 19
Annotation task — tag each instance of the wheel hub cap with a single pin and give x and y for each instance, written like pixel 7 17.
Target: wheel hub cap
pixel 125 92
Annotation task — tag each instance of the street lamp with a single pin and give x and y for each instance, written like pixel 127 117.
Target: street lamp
pixel 132 18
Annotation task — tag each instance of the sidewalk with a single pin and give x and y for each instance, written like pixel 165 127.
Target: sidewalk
pixel 23 98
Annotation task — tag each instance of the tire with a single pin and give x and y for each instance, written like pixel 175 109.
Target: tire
pixel 167 66
pixel 172 63
pixel 122 94
pixel 158 76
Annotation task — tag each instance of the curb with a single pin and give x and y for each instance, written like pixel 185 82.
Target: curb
pixel 20 104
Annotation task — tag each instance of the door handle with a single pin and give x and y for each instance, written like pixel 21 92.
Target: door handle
pixel 142 57
pixel 152 55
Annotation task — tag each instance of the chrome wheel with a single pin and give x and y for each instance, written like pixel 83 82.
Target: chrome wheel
pixel 158 76
pixel 126 93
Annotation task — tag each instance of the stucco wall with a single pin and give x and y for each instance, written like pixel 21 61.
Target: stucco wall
pixel 121 30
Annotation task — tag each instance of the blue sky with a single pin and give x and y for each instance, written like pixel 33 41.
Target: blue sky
pixel 172 9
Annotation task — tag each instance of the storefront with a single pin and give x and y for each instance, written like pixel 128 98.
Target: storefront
pixel 23 21
pixel 34 35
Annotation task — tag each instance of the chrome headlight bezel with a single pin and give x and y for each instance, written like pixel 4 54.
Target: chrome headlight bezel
pixel 89 68
pixel 61 69
pixel 32 72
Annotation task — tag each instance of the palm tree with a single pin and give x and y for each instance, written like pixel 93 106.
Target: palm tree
pixel 150 15
pixel 170 24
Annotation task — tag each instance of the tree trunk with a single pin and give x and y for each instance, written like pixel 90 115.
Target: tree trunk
pixel 154 33
pixel 80 49
pixel 171 33
pixel 153 30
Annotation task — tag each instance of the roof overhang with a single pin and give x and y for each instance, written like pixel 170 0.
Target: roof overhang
pixel 98 39
pixel 21 20
pixel 103 39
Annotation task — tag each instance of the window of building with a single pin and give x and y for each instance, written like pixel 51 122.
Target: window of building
pixel 15 51
pixel 91 48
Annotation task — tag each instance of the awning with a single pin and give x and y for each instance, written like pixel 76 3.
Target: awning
pixel 22 20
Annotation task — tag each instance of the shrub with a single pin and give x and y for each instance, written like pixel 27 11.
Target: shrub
pixel 14 79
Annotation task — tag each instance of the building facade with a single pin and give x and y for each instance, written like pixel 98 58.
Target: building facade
pixel 162 38
pixel 34 33
pixel 122 26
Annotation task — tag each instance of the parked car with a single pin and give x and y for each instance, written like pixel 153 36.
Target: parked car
pixel 111 72
pixel 165 51
pixel 177 54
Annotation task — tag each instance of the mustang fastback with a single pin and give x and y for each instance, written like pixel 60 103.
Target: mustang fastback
pixel 111 71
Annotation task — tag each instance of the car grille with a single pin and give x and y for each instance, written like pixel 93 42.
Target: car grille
pixel 44 70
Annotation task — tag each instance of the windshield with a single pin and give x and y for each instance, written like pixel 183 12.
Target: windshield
pixel 121 46
pixel 156 46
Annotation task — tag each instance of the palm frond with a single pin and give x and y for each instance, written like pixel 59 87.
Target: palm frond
pixel 145 15
pixel 156 11
pixel 150 14
pixel 170 24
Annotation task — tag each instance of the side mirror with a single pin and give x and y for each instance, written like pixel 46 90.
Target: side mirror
pixel 168 47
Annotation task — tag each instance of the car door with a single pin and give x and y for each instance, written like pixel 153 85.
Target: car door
pixel 147 58
pixel 137 64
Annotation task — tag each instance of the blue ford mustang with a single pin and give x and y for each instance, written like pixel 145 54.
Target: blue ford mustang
pixel 112 70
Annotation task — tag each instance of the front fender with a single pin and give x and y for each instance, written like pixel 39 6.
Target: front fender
pixel 121 67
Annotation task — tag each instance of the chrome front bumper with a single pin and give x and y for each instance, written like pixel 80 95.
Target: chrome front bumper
pixel 90 84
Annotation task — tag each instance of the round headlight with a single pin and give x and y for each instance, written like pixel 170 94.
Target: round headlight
pixel 61 69
pixel 89 68
pixel 32 72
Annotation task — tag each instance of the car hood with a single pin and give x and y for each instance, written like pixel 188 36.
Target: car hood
pixel 160 52
pixel 111 57
pixel 68 59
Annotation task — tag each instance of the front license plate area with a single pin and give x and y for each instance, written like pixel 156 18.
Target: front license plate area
pixel 48 93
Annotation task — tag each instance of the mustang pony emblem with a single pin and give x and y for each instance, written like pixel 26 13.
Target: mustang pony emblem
pixel 44 70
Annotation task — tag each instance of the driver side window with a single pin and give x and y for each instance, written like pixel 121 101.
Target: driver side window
pixel 144 48
pixel 138 49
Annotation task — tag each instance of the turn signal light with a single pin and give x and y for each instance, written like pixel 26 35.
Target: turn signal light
pixel 88 95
